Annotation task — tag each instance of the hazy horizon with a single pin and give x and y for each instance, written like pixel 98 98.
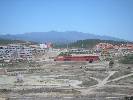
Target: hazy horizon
pixel 101 17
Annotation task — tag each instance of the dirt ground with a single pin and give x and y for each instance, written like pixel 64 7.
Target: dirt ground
pixel 52 80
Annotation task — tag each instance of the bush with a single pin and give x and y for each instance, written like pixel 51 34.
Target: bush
pixel 111 63
pixel 128 59
pixel 64 54
pixel 128 98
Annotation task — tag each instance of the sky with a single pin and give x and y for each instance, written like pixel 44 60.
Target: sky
pixel 102 17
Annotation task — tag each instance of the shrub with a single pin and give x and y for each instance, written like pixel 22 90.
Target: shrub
pixel 128 59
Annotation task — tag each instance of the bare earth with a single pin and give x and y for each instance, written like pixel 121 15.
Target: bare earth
pixel 68 81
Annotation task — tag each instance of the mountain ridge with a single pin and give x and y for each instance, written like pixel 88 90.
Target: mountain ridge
pixel 55 36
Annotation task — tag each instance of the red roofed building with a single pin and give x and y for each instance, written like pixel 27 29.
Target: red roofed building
pixel 89 58
pixel 104 46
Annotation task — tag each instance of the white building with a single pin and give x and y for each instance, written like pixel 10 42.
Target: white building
pixel 15 52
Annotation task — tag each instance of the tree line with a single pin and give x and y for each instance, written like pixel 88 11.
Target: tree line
pixel 88 43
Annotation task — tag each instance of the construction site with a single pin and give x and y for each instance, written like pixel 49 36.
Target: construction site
pixel 46 79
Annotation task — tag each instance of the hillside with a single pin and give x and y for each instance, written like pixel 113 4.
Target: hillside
pixel 10 41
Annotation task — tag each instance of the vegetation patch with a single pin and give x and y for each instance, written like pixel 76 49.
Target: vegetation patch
pixel 128 59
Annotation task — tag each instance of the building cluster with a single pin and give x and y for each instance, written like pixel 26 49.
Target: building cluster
pixel 101 46
pixel 21 52
pixel 40 49
pixel 46 45
pixel 108 49
pixel 14 52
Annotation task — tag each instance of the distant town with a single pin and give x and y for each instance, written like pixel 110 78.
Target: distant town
pixel 21 52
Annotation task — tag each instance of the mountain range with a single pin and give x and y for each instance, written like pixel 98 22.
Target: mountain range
pixel 55 36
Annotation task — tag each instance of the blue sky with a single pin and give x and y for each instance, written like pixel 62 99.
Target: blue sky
pixel 102 17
